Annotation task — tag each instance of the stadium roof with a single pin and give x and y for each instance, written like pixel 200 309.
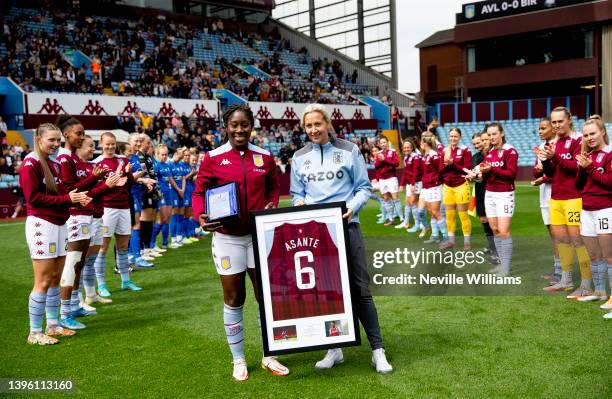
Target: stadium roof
pixel 440 37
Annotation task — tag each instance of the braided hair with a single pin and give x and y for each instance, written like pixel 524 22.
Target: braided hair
pixel 238 108
pixel 64 122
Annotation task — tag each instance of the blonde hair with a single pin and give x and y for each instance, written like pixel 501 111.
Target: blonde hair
pixel 315 108
pixel 159 148
pixel 567 113
pixel 430 140
pixel 178 154
pixel 597 121
pixel 107 134
pixel 49 177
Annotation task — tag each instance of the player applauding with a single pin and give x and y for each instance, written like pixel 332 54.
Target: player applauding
pixel 432 187
pixel 500 167
pixel 385 164
pixel 595 182
pixel 254 171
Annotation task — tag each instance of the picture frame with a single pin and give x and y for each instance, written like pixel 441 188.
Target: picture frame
pixel 302 265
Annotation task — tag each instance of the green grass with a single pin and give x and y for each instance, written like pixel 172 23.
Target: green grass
pixel 168 340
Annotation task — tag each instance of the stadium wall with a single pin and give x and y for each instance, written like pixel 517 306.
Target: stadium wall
pixel 12 102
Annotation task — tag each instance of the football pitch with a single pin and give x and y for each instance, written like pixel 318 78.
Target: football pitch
pixel 168 340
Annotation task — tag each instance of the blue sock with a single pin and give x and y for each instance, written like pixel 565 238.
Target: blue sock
pixel 52 305
pixel 417 217
pixel 100 268
pixel 65 308
pixel 234 332
pixel 89 276
pixel 434 229
pixel 407 211
pixel 134 248
pixel 181 225
pixel 74 299
pixel 165 230
pixel 193 226
pixel 442 228
pixel 123 265
pixel 173 225
pixel 423 218
pixel 156 230
pixel 36 309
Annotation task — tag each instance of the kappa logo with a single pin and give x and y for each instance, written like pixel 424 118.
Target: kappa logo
pixel 258 160
pixel 338 157
pixel 224 162
pixel 307 164
pixel 28 163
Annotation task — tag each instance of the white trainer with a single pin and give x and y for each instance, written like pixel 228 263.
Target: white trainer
pixel 596 296
pixel 269 363
pixel 87 307
pixel 332 357
pixel 240 373
pixel 608 316
pixel 174 245
pixel 97 298
pixel 607 305
pixel 379 361
pixel 158 249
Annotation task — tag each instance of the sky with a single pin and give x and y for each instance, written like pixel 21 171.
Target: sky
pixel 417 20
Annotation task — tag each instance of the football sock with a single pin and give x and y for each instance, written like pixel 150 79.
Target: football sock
pixel 451 238
pixel 36 310
pixel 566 256
pixel 100 267
pixel 498 246
pixel 584 262
pixel 598 269
pixel 389 208
pixel 416 214
pixel 234 332
pixel 423 218
pixel 397 205
pixel 451 221
pixel 134 246
pixel 442 208
pixel 156 230
pixel 414 210
pixel 434 228
pixel 52 305
pixel 507 247
pixel 165 230
pixel 407 211
pixel 74 300
pixel 490 237
pixel 65 308
pixel 193 225
pixel 123 265
pixel 610 275
pixel 89 276
pixel 557 267
pixel 173 226
pixel 442 228
pixel 466 223
pixel 146 232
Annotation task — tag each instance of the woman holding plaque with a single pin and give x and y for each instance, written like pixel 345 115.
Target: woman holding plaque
pixel 327 155
pixel 253 171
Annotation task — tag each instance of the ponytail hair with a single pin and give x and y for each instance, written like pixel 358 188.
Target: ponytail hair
pixel 597 121
pixel 43 128
pixel 567 113
pixel 500 127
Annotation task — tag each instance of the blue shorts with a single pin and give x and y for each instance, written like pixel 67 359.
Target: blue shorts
pixel 166 199
pixel 187 199
pixel 137 203
pixel 175 200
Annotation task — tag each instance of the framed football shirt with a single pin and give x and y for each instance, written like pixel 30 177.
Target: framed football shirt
pixel 302 268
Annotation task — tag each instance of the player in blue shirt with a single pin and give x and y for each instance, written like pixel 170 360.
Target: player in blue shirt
pixel 179 171
pixel 190 159
pixel 163 171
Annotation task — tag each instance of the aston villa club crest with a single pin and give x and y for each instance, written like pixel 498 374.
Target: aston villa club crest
pixel 225 263
pixel 258 160
pixel 599 158
pixel 470 11
pixel 337 157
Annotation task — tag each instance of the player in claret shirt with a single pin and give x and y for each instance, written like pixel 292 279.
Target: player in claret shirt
pixel 559 161
pixel 432 187
pixel 411 180
pixel 254 171
pixel 46 234
pixel 456 190
pixel 76 173
pixel 500 168
pixel 116 219
pixel 595 182
pixel 386 163
pixel 329 156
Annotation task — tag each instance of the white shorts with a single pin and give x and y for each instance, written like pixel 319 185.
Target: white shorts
pixel 45 240
pixel 390 185
pixel 116 221
pixel 232 254
pixel 499 204
pixel 545 215
pixel 418 187
pixel 79 227
pixel 97 230
pixel 432 194
pixel 375 185
pixel 593 223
